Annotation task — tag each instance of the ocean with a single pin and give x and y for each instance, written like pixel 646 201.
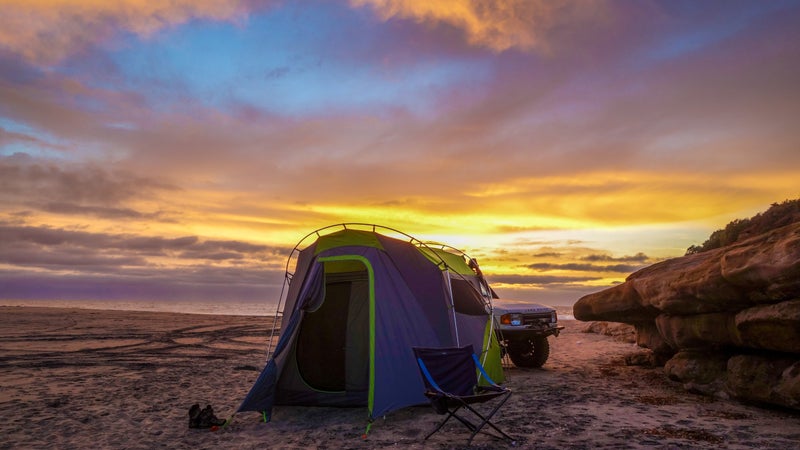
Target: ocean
pixel 225 308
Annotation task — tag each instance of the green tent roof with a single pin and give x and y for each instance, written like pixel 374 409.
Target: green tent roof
pixel 348 237
pixel 455 262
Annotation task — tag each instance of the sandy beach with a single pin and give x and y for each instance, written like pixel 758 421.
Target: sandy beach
pixel 72 378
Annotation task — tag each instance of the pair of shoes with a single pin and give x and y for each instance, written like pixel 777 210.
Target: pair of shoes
pixel 194 413
pixel 204 418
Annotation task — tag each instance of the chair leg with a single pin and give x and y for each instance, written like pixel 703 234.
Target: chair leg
pixel 487 421
pixel 471 426
pixel 441 424
pixel 462 419
pixel 475 429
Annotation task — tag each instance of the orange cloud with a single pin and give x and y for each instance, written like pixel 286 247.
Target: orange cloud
pixel 498 25
pixel 46 31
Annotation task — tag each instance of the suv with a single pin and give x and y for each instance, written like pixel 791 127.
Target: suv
pixel 523 328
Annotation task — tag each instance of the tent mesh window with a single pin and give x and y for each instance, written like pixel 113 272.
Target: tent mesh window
pixel 466 298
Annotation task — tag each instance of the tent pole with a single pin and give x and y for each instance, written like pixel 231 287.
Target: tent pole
pixel 287 279
pixel 452 304
pixel 488 300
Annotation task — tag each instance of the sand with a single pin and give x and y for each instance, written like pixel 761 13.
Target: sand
pixel 73 378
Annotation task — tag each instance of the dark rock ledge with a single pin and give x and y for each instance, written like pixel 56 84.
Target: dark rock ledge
pixel 726 321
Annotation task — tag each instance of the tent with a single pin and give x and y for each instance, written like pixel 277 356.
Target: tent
pixel 357 302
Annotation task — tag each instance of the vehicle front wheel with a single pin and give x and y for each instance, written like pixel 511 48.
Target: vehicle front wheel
pixel 529 352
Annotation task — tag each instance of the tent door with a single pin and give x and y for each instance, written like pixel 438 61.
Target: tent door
pixel 333 341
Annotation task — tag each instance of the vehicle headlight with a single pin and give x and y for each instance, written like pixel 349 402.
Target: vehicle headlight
pixel 511 319
pixel 554 317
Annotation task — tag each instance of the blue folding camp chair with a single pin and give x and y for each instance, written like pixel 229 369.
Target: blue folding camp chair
pixel 451 383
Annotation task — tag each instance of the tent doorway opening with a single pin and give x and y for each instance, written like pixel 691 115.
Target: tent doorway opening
pixel 332 348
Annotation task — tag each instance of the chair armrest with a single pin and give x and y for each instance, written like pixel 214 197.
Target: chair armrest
pixel 483 371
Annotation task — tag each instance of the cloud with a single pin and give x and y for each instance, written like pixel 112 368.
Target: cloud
pixel 58 263
pixel 77 190
pixel 163 284
pixel 44 32
pixel 56 244
pixel 580 267
pixel 67 264
pixel 100 211
pixel 548 255
pixel 639 257
pixel 564 146
pixel 8 138
pixel 542 280
pixel 497 25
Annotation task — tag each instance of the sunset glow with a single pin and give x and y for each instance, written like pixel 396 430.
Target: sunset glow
pixel 179 150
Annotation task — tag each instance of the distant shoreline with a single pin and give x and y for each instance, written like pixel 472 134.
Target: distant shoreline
pixel 34 308
pixel 222 308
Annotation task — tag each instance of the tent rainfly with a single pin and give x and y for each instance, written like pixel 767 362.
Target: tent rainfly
pixel 356 304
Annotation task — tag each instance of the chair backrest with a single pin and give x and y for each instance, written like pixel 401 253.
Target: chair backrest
pixel 452 369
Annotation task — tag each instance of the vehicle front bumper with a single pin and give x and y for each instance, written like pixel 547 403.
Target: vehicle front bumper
pixel 526 331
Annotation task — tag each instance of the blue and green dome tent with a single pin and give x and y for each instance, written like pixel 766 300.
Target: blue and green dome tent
pixel 356 304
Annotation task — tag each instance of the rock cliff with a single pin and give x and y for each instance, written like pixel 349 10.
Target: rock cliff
pixel 727 320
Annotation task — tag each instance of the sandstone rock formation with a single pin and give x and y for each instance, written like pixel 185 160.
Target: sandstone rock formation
pixel 729 318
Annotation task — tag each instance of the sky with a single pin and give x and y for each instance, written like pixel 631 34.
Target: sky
pixel 179 150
